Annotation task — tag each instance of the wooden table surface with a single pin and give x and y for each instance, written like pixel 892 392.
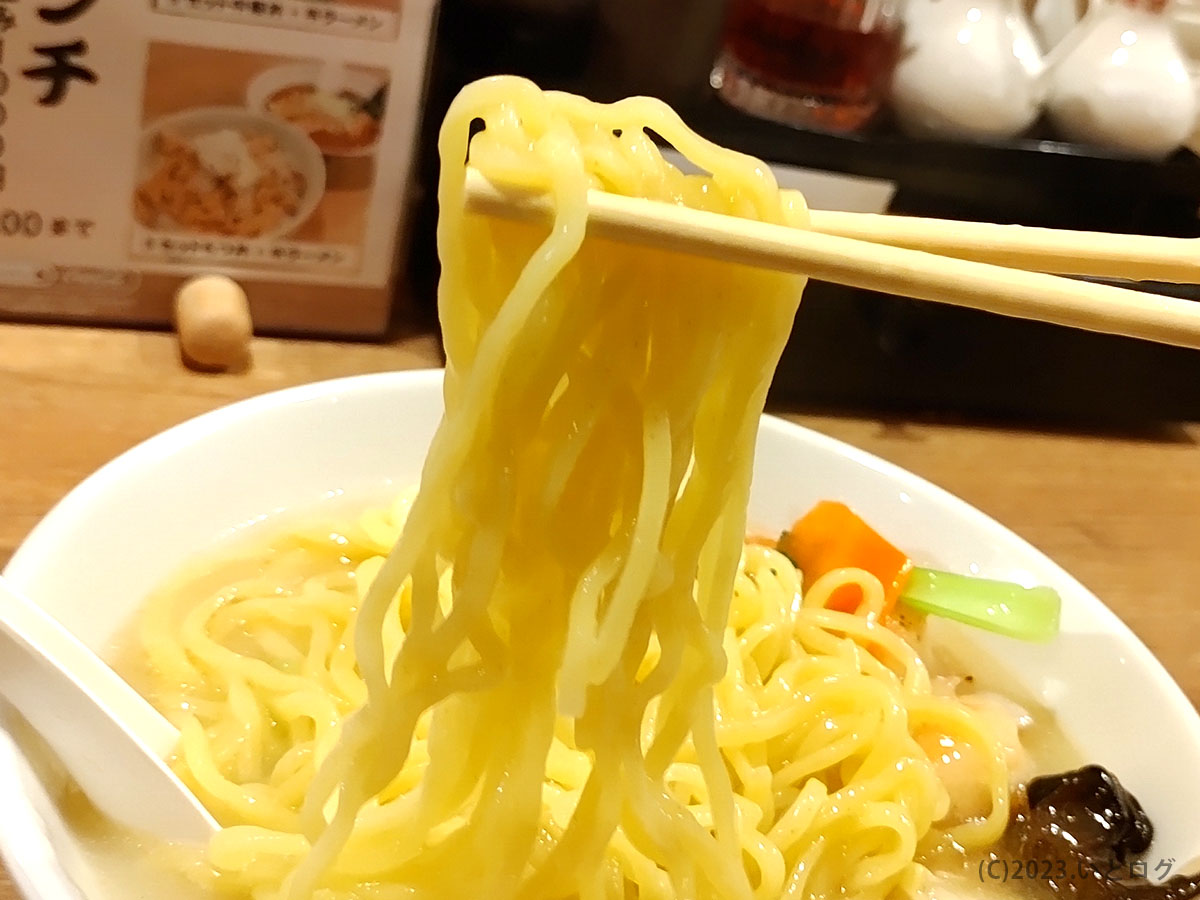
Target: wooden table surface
pixel 1121 511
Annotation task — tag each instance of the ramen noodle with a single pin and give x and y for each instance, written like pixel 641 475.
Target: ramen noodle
pixel 559 670
pixel 825 721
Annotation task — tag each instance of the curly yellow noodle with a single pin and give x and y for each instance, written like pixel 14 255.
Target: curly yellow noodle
pixel 851 802
pixel 557 670
pixel 818 594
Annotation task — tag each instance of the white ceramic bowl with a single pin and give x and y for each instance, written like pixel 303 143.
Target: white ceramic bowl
pixel 301 153
pixel 268 83
pixel 133 523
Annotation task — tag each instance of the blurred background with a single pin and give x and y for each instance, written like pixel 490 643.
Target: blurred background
pixel 929 108
pixel 1072 114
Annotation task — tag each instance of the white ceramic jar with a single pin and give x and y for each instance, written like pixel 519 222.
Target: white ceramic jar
pixel 969 69
pixel 1119 80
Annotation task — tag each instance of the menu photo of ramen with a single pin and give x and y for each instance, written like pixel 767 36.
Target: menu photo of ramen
pixel 341 110
pixel 273 155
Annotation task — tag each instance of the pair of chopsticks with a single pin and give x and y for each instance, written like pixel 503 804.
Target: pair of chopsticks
pixel 995 268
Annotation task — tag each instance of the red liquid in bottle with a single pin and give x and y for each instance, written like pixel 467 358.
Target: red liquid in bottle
pixel 819 63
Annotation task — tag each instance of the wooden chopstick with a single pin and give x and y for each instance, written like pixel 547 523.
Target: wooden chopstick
pixel 861 264
pixel 1136 257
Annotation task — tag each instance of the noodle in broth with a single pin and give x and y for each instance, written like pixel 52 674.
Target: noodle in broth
pixel 559 670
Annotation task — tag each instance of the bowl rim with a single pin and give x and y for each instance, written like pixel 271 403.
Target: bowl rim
pixel 163 443
pixel 28 553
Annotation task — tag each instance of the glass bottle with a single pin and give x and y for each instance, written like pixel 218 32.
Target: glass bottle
pixel 821 64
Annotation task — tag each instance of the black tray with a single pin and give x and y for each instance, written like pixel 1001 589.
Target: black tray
pixel 1032 180
pixel 855 350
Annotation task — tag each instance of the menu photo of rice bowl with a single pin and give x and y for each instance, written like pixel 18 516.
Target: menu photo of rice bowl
pixel 229 172
pixel 338 107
